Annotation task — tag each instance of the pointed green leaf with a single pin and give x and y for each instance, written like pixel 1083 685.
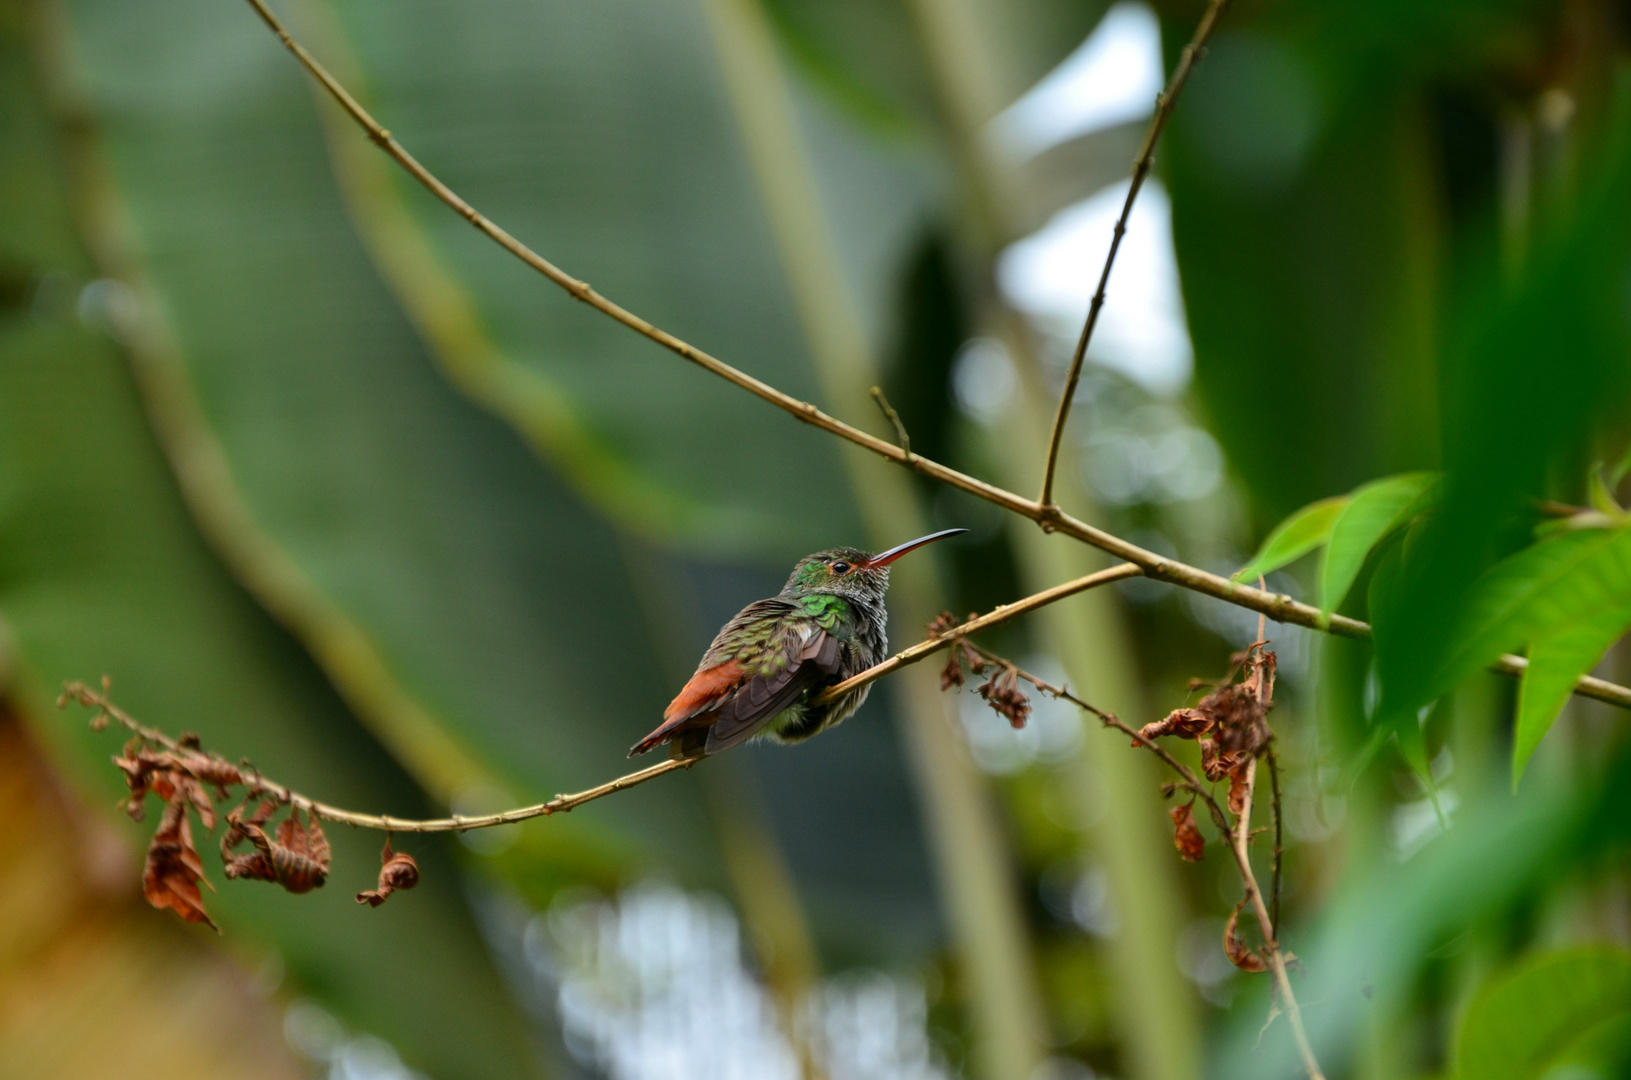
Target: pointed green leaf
pixel 1602 499
pixel 1373 511
pixel 1555 662
pixel 1520 1022
pixel 1294 537
pixel 1561 583
pixel 1413 748
pixel 1621 467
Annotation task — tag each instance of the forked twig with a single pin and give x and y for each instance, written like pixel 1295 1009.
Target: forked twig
pixel 1164 104
pixel 894 419
pixel 1281 608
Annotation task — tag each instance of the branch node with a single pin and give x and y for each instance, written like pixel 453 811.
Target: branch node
pixel 901 438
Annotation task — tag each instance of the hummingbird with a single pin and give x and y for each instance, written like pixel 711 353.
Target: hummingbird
pixel 757 678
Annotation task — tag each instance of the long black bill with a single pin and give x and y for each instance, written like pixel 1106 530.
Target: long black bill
pixel 887 557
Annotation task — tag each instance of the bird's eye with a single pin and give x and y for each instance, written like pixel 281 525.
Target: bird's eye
pixel 840 567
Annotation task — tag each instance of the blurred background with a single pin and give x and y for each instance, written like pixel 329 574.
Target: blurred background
pixel 312 469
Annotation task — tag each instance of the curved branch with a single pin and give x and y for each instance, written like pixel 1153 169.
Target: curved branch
pixel 1280 608
pixel 560 804
pixel 1164 104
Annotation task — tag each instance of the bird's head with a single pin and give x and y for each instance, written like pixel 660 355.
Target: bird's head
pixel 852 572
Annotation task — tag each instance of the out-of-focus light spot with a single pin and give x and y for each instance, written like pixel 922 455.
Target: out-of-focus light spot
pixel 110 306
pixel 311 1030
pixel 1110 79
pixel 1142 332
pixel 1202 959
pixel 1052 735
pixel 1417 824
pixel 1153 456
pixel 983 379
pixel 1079 895
pixel 314 1033
pixel 654 986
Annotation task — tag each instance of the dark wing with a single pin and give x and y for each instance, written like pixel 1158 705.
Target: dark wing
pixel 753 670
pixel 763 697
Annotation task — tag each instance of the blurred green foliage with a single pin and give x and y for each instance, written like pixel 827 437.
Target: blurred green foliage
pixel 314 470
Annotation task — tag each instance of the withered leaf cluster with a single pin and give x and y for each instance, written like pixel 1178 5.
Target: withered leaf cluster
pixel 1229 725
pixel 298 859
pixel 294 855
pixel 1000 690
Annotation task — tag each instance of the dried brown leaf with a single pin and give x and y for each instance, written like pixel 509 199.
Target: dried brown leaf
pixel 1001 691
pixel 971 656
pixel 1238 952
pixel 1237 791
pixel 1185 836
pixel 952 674
pixel 1185 723
pixel 397 871
pixel 298 859
pixel 173 869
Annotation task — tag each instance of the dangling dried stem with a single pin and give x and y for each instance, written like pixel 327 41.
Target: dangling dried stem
pixel 1230 722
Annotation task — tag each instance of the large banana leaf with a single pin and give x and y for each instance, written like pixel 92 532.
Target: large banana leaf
pixel 497 603
pixel 522 627
pixel 101 571
pixel 600 134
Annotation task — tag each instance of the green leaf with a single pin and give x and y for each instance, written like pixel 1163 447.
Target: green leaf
pixel 1294 537
pixel 1374 511
pixel 1560 584
pixel 1520 1022
pixel 1602 499
pixel 1555 662
pixel 654 203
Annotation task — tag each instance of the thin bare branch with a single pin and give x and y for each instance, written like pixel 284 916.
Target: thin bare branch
pixel 997 615
pixel 258 784
pixel 1141 170
pixel 894 419
pixel 1278 607
pixel 1279 840
pixel 560 804
pixel 1239 838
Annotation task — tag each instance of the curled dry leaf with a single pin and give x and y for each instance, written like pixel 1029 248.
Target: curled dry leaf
pixel 1001 691
pixel 1185 836
pixel 1239 954
pixel 1237 792
pixel 397 871
pixel 173 869
pixel 298 859
pixel 1228 724
pixel 952 674
pixel 1185 723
